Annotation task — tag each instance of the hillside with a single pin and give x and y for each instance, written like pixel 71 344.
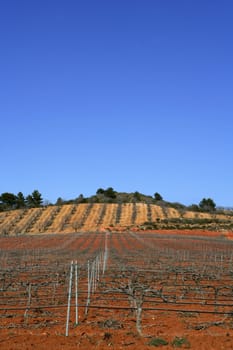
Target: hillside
pixel 107 216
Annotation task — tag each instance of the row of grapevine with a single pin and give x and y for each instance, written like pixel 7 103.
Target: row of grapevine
pixel 59 218
pixel 93 218
pixel 109 219
pixel 149 278
pixel 96 217
pixel 27 221
pixel 34 280
pixel 45 220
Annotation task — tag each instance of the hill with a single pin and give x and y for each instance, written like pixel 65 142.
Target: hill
pixel 83 217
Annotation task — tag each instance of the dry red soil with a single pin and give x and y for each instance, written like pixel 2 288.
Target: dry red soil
pixel 182 281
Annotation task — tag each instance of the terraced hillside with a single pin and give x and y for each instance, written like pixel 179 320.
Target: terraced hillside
pixel 101 216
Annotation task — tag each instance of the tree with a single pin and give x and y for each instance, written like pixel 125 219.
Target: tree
pixel 194 207
pixel 29 201
pixel 158 197
pixel 37 198
pixel 8 200
pixel 110 193
pixel 100 191
pixel 75 226
pixel 59 201
pixel 80 199
pixel 137 196
pixel 34 200
pixel 207 204
pixel 20 201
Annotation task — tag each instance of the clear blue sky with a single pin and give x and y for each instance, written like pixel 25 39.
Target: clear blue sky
pixel 132 94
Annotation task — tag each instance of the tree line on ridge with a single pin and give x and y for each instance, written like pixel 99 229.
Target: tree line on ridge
pixel 10 201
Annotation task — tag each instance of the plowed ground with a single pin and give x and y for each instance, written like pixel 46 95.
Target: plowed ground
pixel 185 283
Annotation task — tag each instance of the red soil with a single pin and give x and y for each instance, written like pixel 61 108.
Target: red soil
pixel 202 331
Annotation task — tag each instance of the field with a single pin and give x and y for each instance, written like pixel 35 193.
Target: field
pixel 86 217
pixel 116 290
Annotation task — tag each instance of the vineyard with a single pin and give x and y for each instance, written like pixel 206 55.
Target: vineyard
pixel 117 290
pixel 93 217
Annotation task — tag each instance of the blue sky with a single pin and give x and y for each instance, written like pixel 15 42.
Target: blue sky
pixel 132 94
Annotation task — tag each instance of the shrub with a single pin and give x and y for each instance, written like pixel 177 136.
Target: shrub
pixel 157 342
pixel 178 342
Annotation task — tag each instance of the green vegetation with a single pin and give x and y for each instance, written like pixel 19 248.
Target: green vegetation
pixel 157 342
pixel 10 201
pixel 158 197
pixel 34 200
pixel 180 342
pixel 213 224
pixel 207 205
